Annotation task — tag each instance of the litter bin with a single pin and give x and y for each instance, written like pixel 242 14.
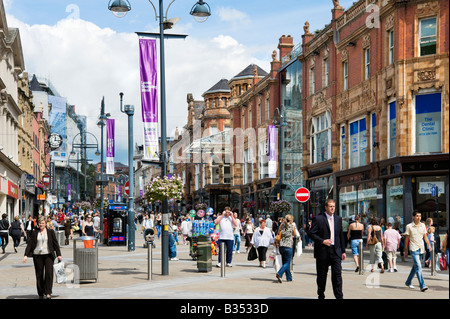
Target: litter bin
pixel 60 235
pixel 204 259
pixel 86 257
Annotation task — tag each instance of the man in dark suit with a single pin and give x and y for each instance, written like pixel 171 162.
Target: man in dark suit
pixel 329 250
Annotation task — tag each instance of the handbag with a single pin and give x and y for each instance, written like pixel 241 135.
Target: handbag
pixel 299 249
pixel 60 272
pixel 277 262
pixel 443 262
pixel 252 254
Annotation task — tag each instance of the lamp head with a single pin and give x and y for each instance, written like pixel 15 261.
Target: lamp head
pixel 119 7
pixel 201 11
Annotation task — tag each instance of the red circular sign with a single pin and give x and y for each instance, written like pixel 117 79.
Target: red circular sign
pixel 302 194
pixel 127 188
pixel 46 180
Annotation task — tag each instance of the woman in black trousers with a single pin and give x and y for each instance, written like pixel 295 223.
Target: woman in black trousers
pixel 43 247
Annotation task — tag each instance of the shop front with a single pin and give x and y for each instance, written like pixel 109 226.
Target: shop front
pixel 391 190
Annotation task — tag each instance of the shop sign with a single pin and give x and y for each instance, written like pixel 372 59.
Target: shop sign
pixel 427 187
pixel 13 190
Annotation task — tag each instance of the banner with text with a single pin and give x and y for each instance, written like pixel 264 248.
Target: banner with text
pixel 149 96
pixel 110 131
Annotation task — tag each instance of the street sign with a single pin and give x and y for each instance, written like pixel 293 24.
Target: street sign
pixel 302 195
pixel 46 180
pixel 127 188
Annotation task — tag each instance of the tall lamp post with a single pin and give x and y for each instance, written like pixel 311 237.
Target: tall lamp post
pixel 101 123
pixel 201 12
pixel 129 111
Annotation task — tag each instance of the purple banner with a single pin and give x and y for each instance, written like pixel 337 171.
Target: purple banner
pixel 149 96
pixel 69 192
pixel 110 131
pixel 272 151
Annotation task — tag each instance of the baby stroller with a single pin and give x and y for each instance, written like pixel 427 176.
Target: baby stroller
pixel 149 237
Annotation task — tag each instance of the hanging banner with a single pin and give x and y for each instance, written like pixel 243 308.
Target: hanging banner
pixel 149 97
pixel 272 151
pixel 110 125
pixel 141 186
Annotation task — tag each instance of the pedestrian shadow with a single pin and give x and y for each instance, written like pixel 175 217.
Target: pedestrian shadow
pixel 265 279
pixel 26 297
pixel 123 271
pixel 305 273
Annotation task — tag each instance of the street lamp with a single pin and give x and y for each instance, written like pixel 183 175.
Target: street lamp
pixel 200 10
pixel 129 111
pixel 101 123
pixel 83 145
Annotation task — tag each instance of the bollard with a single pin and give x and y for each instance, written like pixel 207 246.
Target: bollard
pixel 150 260
pixel 222 259
pixel 361 257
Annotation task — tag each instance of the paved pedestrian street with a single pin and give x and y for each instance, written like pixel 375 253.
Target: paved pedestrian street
pixel 123 275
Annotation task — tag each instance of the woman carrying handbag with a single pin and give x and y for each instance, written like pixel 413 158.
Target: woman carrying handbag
pixel 285 241
pixel 44 248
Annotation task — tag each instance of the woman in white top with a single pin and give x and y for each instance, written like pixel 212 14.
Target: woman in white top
pixel 262 238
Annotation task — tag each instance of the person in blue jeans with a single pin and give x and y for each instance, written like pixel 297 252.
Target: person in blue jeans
pixel 286 231
pixel 416 234
pixel 237 233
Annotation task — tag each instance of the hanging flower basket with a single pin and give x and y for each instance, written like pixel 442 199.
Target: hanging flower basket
pixel 164 188
pixel 201 206
pixel 97 203
pixel 85 206
pixel 281 206
pixel 249 204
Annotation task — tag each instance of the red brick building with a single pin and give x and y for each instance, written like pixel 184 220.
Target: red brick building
pixel 376 133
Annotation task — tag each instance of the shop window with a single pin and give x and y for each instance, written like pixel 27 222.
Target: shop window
pixel 428 123
pixel 394 203
pixel 425 199
pixel 347 201
pixel 358 143
pixel 367 203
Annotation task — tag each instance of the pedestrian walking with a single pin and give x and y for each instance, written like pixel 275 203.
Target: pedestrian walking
pixel 430 235
pixel 44 248
pixel 445 247
pixel 355 232
pixel 326 232
pixel 68 232
pixel 237 233
pixel 30 225
pixel 249 228
pixel 4 232
pixel 226 222
pixel 172 244
pixel 309 242
pixel 375 244
pixel 392 240
pixel 184 229
pixel 16 231
pixel 416 234
pixel 262 239
pixel 286 233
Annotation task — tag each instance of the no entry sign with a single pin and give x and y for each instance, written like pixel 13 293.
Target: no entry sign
pixel 302 194
pixel 127 188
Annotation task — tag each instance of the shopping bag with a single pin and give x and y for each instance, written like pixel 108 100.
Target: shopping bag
pixel 278 262
pixel 443 262
pixel 252 254
pixel 299 249
pixel 60 272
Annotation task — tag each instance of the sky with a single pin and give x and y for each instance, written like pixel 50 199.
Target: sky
pixel 88 53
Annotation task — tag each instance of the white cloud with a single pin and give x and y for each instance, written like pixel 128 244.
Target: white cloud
pixel 231 14
pixel 85 62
